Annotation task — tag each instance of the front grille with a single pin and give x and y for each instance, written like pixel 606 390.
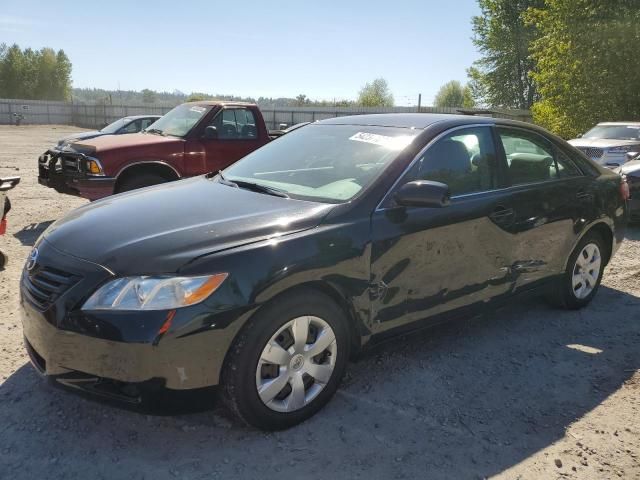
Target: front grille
pixel 592 152
pixel 44 285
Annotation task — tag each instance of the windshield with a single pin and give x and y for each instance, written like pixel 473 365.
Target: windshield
pixel 319 162
pixel 115 126
pixel 615 132
pixel 180 120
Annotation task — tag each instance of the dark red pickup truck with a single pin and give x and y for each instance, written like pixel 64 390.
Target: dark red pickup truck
pixel 192 139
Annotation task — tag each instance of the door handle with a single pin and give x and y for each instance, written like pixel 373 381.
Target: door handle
pixel 582 195
pixel 502 214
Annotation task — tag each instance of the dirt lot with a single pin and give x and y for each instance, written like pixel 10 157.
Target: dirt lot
pixel 528 392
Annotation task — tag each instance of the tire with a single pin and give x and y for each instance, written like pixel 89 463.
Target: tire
pixel 3 261
pixel 141 181
pixel 246 370
pixel 586 260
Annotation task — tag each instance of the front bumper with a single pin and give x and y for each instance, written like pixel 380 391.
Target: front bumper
pixel 66 173
pixel 64 342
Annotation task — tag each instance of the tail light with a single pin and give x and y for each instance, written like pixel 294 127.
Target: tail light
pixel 3 226
pixel 624 189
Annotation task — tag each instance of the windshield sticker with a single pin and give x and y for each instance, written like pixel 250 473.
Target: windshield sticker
pixel 197 109
pixel 393 143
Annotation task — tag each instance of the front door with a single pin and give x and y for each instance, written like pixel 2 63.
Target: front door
pixel 237 136
pixel 427 261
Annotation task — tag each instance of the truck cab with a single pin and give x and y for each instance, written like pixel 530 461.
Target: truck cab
pixel 192 139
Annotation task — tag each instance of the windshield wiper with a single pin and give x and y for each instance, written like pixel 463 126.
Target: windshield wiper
pixel 223 180
pixel 256 187
pixel 156 131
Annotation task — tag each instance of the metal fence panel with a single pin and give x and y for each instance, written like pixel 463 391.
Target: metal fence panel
pixel 97 116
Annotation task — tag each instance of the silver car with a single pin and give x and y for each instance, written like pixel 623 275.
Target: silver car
pixel 610 143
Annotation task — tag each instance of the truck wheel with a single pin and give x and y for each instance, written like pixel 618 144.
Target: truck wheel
pixel 141 181
pixel 3 261
pixel 287 361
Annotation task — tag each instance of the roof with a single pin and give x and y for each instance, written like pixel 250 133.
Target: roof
pixel 135 117
pixel 405 120
pixel 214 103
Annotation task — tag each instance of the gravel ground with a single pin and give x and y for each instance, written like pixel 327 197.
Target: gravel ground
pixel 527 392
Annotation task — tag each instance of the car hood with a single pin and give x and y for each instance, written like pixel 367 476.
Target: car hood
pixel 601 142
pixel 160 229
pixel 80 136
pixel 116 142
pixel 629 167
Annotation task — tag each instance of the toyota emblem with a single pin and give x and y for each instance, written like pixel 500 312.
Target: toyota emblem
pixel 33 259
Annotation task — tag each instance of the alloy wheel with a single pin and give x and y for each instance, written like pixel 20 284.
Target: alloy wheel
pixel 586 271
pixel 296 364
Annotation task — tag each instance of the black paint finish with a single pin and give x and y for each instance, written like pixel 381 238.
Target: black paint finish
pixel 390 267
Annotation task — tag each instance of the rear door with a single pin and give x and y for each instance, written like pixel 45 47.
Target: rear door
pixel 427 261
pixel 237 136
pixel 549 198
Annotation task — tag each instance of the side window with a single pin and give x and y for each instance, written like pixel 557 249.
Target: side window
pixel 236 123
pixel 464 160
pixel 529 157
pixel 246 124
pixel 566 167
pixel 133 127
pixel 146 122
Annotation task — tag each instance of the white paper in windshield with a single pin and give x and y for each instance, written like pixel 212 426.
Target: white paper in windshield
pixel 197 109
pixel 392 143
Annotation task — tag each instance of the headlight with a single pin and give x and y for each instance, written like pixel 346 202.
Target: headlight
pixel 153 293
pixel 623 149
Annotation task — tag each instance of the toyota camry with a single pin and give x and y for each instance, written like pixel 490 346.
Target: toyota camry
pixel 267 277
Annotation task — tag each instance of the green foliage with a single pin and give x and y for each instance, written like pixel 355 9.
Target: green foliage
pixel 148 96
pixel 587 63
pixel 502 76
pixel 30 74
pixel 376 94
pixel 453 94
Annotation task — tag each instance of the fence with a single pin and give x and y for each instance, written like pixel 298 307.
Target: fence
pixel 40 112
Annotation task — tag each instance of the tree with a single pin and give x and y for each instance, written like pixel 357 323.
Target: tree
pixel 502 76
pixel 148 96
pixel 198 97
pixel 587 63
pixel 30 74
pixel 302 100
pixel 376 94
pixel 453 94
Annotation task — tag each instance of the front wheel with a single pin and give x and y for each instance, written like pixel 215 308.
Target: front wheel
pixel 583 275
pixel 287 362
pixel 141 181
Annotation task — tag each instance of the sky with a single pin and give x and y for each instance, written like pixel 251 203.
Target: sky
pixel 324 49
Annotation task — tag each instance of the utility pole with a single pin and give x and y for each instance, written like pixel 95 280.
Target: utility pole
pixel 419 102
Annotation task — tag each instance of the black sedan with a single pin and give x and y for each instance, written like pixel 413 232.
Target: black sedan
pixel 266 278
pixel 132 124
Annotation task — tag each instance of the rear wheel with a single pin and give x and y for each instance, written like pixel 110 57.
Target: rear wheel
pixel 287 362
pixel 583 275
pixel 140 181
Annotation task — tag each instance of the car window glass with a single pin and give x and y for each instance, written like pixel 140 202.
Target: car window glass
pixel 146 122
pixel 235 123
pixel 132 127
pixel 566 167
pixel 464 160
pixel 529 157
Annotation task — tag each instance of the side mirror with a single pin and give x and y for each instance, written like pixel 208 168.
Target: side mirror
pixel 579 135
pixel 423 193
pixel 210 132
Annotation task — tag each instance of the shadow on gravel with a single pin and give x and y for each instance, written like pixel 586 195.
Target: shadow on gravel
pixel 463 400
pixel 29 234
